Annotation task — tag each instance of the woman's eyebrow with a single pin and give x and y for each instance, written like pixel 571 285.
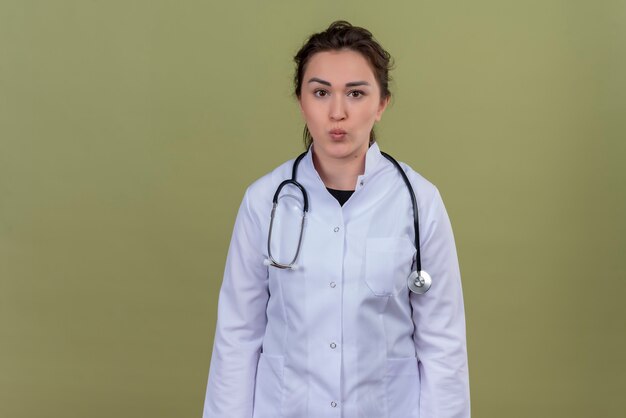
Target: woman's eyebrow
pixel 357 83
pixel 350 84
pixel 317 80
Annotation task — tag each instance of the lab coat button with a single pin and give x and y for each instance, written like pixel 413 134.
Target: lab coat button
pixel 333 345
pixel 333 404
pixel 333 284
pixel 336 229
pixel 362 182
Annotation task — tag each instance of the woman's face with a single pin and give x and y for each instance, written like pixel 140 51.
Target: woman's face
pixel 340 101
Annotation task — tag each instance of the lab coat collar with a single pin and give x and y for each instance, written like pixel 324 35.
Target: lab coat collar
pixel 372 160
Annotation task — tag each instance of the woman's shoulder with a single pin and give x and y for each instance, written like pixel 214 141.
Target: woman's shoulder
pixel 431 207
pixel 263 188
pixel 424 189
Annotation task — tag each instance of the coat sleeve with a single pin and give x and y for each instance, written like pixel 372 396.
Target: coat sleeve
pixel 439 320
pixel 241 322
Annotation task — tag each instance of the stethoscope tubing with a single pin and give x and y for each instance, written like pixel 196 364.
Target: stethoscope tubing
pixel 305 209
pixel 418 259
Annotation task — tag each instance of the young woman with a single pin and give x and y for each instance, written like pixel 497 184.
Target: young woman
pixel 325 316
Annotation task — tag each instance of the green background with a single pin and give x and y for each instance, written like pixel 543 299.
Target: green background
pixel 130 129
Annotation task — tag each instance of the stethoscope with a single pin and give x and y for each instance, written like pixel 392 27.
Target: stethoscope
pixel 419 281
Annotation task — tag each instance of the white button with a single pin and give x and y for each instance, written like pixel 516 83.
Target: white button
pixel 333 284
pixel 336 229
pixel 333 404
pixel 333 345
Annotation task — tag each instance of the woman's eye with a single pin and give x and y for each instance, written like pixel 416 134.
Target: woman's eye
pixel 320 93
pixel 356 93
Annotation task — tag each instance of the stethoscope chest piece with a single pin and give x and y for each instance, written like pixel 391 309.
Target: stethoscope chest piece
pixel 419 282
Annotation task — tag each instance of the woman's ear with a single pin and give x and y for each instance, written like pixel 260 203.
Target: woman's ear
pixel 381 108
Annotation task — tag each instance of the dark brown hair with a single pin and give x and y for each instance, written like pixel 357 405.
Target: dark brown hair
pixel 342 35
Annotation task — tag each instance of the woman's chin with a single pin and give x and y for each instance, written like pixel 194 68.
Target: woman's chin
pixel 337 149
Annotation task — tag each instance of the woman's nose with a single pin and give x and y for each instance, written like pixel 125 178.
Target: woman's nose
pixel 337 108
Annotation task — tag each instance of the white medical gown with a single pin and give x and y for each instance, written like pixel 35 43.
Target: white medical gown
pixel 341 335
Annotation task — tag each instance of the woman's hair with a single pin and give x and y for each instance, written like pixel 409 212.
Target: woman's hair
pixel 342 35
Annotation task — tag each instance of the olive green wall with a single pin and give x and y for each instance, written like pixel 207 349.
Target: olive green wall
pixel 130 129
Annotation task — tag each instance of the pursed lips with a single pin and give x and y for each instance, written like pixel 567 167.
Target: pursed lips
pixel 337 132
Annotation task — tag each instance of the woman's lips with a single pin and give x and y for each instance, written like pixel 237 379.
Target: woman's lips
pixel 337 133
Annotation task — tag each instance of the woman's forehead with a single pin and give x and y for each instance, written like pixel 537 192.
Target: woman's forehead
pixel 338 66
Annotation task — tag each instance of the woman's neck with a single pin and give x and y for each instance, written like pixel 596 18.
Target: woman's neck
pixel 339 173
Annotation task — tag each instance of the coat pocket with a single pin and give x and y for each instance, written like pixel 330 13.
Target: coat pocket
pixel 388 264
pixel 268 390
pixel 403 387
